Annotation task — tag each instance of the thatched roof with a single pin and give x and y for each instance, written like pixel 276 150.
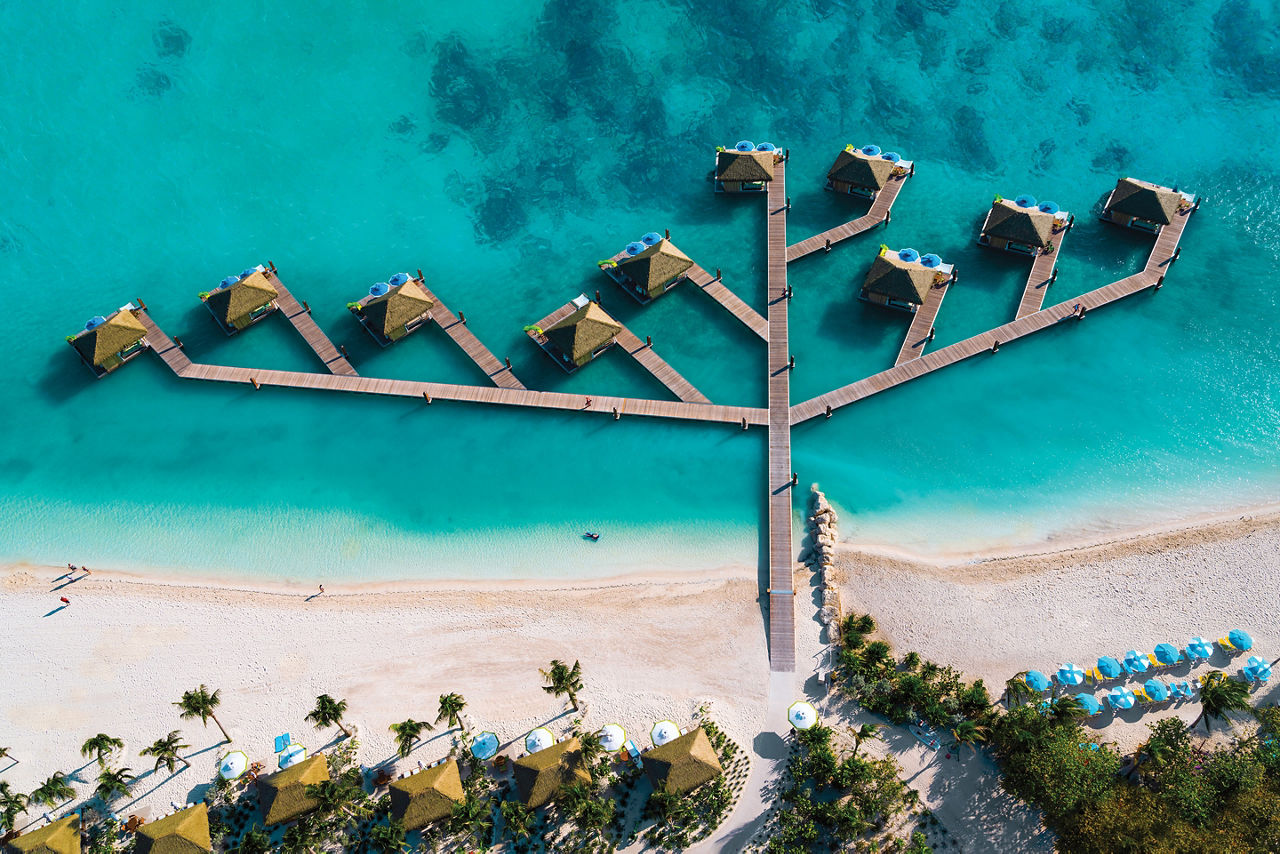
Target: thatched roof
pixel 683 764
pixel 541 775
pixel 908 281
pixel 657 265
pixel 427 796
pixel 283 795
pixel 60 837
pixel 244 297
pixel 744 165
pixel 397 307
pixel 1145 200
pixel 184 832
pixel 583 332
pixel 854 167
pixel 1008 221
pixel 122 330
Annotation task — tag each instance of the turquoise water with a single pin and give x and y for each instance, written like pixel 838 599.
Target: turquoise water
pixel 149 151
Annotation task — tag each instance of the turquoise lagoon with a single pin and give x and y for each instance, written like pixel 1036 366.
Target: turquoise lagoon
pixel 150 149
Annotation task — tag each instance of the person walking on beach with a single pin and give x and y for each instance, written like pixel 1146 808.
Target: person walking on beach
pixel 64 600
pixel 321 588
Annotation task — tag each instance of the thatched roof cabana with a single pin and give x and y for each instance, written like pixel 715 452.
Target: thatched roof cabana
pixel 540 776
pixel 1011 222
pixel 234 304
pixel 59 837
pixel 103 343
pixel 656 267
pixel 684 764
pixel 426 796
pixel 906 281
pixel 390 314
pixel 745 166
pixel 860 170
pixel 1144 200
pixel 283 795
pixel 184 832
pixel 583 332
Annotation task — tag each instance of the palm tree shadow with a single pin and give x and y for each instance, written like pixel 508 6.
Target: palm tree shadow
pixel 143 776
pixel 56 610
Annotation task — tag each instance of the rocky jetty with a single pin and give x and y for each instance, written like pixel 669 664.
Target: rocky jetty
pixel 820 556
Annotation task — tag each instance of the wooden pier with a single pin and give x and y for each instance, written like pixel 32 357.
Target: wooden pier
pixel 878 214
pixel 300 317
pixel 1041 275
pixel 497 372
pixel 918 334
pixel 715 288
pixel 656 365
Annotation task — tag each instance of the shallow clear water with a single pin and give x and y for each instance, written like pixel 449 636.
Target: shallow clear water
pixel 151 151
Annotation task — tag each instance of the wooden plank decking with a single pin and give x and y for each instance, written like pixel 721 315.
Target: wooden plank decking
pixel 656 365
pixel 782 606
pixel 497 372
pixel 309 329
pixel 1041 275
pixel 875 216
pixel 715 288
pixel 921 323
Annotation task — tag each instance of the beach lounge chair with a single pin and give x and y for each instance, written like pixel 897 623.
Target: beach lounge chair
pixel 1227 646
pixel 1143 697
pixel 925 734
pixel 1155 662
pixel 1093 675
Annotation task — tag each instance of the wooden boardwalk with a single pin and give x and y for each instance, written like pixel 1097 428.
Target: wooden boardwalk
pixel 715 288
pixel 300 317
pixel 921 324
pixel 782 604
pixel 497 372
pixel 1161 256
pixel 875 216
pixel 656 365
pixel 1041 276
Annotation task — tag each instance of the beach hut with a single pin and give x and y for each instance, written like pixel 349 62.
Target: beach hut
pixel 578 337
pixel 1143 205
pixel 858 173
pixel 283 795
pixel 684 764
pixel 901 279
pixel 184 832
pixel 392 311
pixel 239 304
pixel 740 171
pixel 426 796
pixel 1018 225
pixel 59 837
pixel 652 272
pixel 108 342
pixel 540 776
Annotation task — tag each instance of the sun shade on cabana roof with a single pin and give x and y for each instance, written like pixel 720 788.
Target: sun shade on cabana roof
pixel 244 297
pixel 656 266
pixel 283 795
pixel 583 332
pixel 60 837
pixel 683 764
pixel 1145 200
pixel 184 832
pixel 1008 221
pixel 397 307
pixel 540 776
pixel 907 281
pixel 120 331
pixel 427 796
pixel 748 166
pixel 861 170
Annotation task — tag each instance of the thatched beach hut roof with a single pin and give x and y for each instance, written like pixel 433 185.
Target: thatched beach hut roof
pixel 120 331
pixel 1144 200
pixel 283 795
pixel 1009 221
pixel 907 281
pixel 241 299
pixel 860 170
pixel 540 776
pixel 184 832
pixel 583 332
pixel 427 796
pixel 59 837
pixel 656 266
pixel 683 764
pixel 749 166
pixel 397 307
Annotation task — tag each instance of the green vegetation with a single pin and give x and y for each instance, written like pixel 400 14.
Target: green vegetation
pixel 12 805
pixel 451 706
pixel 563 680
pixel 329 712
pixel 165 751
pixel 199 703
pixel 52 791
pixel 407 734
pixel 102 745
pixel 113 783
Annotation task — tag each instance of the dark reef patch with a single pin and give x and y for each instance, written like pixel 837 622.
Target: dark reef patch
pixel 151 81
pixel 171 40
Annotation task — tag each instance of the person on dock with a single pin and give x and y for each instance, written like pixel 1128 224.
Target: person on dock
pixel 588 406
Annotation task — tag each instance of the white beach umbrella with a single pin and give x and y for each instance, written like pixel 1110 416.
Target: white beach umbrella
pixel 292 755
pixel 540 739
pixel 802 715
pixel 233 765
pixel 612 737
pixel 662 732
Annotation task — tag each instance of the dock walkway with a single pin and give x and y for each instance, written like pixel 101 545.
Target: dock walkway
pixel 497 372
pixel 656 365
pixel 1041 276
pixel 310 331
pixel 922 324
pixel 715 288
pixel 878 213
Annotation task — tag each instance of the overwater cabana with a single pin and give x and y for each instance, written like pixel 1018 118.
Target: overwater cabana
pixel 426 796
pixel 108 342
pixel 59 837
pixel 684 764
pixel 576 333
pixel 1143 205
pixel 650 267
pixel 902 278
pixel 184 832
pixel 1022 225
pixel 540 776
pixel 865 171
pixel 394 308
pixel 745 168
pixel 283 795
pixel 241 301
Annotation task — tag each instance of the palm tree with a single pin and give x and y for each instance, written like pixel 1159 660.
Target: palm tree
pixel 103 745
pixel 1154 750
pixel 473 817
pixel 407 732
pixel 337 798
pixel 329 712
pixel 53 791
pixel 12 805
pixel 970 733
pixel 302 838
pixel 254 841
pixel 200 704
pixel 113 784
pixel 1220 694
pixel 591 748
pixel 165 750
pixel 387 838
pixel 1017 691
pixel 518 819
pixel 451 706
pixel 5 753
pixel 562 679
pixel 1067 710
pixel 594 814
pixel 863 733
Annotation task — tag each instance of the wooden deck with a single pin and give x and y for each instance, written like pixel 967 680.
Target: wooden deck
pixel 656 365
pixel 1041 276
pixel 714 288
pixel 875 216
pixel 1161 255
pixel 309 330
pixel 921 322
pixel 497 372
pixel 782 605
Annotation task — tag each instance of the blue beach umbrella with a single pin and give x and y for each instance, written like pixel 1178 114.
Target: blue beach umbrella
pixel 1199 648
pixel 908 255
pixel 1036 680
pixel 635 247
pixel 95 321
pixel 1136 662
pixel 766 146
pixel 228 281
pixel 891 156
pixel 1049 207
pixel 398 279
pixel 292 755
pixel 244 274
pixel 1070 674
pixel 1156 690
pixel 1166 653
pixel 931 260
pixel 379 289
pixel 485 745
pixel 650 238
pixel 1257 669
pixel 1109 667
pixel 1089 703
pixel 1121 698
pixel 1182 688
pixel 1240 639
pixel 1025 201
pixel 745 145
pixel 871 150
